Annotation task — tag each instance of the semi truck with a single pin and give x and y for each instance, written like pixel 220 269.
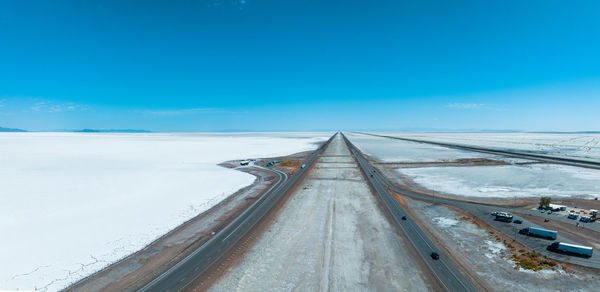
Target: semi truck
pixel 571 249
pixel 539 232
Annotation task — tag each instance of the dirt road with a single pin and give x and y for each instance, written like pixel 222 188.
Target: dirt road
pixel 331 235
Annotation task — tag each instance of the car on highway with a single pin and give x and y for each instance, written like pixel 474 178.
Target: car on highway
pixel 518 221
pixel 573 216
pixel 435 255
pixel 403 217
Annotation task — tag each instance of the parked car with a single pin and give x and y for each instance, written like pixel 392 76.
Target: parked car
pixel 504 217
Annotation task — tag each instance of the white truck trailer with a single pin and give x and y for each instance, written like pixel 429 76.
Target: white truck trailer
pixel 539 232
pixel 571 249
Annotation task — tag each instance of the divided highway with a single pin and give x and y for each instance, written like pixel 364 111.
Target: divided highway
pixel 483 212
pixel 504 152
pixel 180 276
pixel 194 265
pixel 442 269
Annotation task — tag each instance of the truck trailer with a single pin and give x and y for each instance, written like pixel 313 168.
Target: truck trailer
pixel 539 232
pixel 571 249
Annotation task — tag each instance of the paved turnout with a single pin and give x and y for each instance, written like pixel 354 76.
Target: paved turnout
pixel 483 212
pixel 331 235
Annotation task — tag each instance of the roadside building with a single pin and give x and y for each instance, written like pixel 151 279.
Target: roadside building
pixel 556 208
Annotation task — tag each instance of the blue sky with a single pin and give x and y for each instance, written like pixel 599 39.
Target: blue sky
pixel 300 65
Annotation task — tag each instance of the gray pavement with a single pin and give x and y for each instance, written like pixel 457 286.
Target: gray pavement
pixel 330 236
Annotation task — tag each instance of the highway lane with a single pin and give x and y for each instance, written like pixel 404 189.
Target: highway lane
pixel 181 275
pixel 504 152
pixel 442 269
pixel 483 212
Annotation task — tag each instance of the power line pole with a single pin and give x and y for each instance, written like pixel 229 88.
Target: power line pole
pixel 514 207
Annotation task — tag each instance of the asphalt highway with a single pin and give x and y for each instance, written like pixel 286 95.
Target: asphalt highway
pixel 181 275
pixel 505 152
pixel 483 212
pixel 442 269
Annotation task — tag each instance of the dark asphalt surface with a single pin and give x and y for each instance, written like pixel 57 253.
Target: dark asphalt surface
pixel 193 266
pixel 483 212
pixel 442 269
pixel 556 217
pixel 505 152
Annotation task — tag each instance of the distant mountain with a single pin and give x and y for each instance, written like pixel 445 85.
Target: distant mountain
pixel 440 130
pixel 576 132
pixel 112 131
pixel 11 130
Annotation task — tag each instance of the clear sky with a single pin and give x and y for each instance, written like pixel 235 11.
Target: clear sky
pixel 300 65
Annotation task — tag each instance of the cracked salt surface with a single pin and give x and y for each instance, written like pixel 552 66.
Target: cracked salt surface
pixel 391 150
pixel 72 203
pixel 581 146
pixel 507 181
